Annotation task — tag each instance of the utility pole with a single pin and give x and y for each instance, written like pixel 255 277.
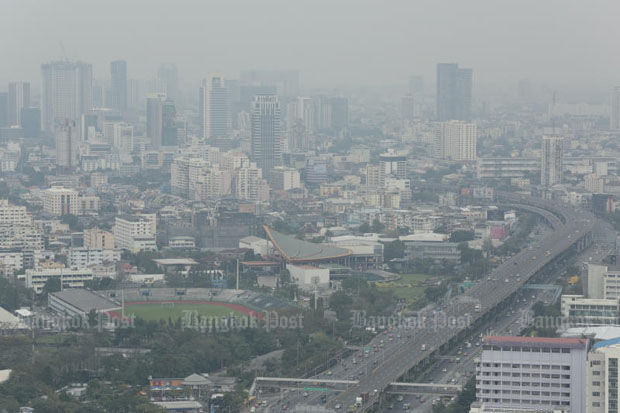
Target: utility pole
pixel 237 273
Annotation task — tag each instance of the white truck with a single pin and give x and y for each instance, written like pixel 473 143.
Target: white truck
pixel 423 347
pixel 477 308
pixel 358 401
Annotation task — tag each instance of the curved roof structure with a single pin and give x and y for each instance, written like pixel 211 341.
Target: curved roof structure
pixel 294 250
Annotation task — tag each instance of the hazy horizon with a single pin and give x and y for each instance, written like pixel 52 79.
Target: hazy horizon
pixel 347 43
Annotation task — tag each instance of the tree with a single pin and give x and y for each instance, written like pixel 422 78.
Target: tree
pixel 433 294
pixel 394 249
pixel 461 236
pixel 377 226
pixel 364 228
pixel 52 285
pixel 72 221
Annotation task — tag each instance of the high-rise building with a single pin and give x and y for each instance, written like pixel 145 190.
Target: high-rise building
pixel 407 108
pixel 169 76
pixel 19 98
pixel 531 374
pixel 67 142
pixel 4 109
pixel 66 92
pixel 161 126
pixel 169 124
pixel 118 73
pixel 214 109
pixel 456 140
pixel 31 122
pixel 453 92
pixel 266 144
pixel 551 165
pixel 614 118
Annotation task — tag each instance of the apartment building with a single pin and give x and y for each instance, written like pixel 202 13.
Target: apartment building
pixel 98 238
pixel 135 232
pixel 585 312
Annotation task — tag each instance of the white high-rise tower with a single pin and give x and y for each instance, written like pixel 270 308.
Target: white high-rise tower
pixel 552 168
pixel 214 106
pixel 66 93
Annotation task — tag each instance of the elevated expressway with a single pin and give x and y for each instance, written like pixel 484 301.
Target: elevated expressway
pixel 572 229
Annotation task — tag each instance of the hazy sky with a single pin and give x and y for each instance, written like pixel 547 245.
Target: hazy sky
pixel 332 42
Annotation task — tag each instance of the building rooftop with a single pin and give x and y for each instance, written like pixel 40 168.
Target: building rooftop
pixel 537 341
pixel 295 250
pixel 85 300
pixel 10 322
pixel 175 261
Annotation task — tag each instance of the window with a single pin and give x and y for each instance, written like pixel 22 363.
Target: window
pixel 596 394
pixel 565 350
pixel 596 404
pixel 596 373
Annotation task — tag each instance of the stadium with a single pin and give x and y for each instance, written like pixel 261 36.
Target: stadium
pixel 155 304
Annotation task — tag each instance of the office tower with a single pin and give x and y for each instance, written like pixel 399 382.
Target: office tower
pixel 551 165
pixel 214 107
pixel 453 92
pixel 407 108
pixel 66 92
pixel 4 109
pixel 66 144
pixel 154 119
pixel 169 123
pixel 286 81
pixel 416 85
pixel 614 118
pixel 266 145
pixel 531 374
pixel 169 75
pixel 118 74
pixel 31 122
pixel 456 140
pixel 340 113
pixel 19 98
pixel 333 113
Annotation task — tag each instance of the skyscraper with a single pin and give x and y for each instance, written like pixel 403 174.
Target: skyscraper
pixel 19 98
pixel 453 92
pixel 66 144
pixel 118 73
pixel 614 118
pixel 4 109
pixel 154 118
pixel 551 165
pixel 214 107
pixel 169 75
pixel 168 123
pixel 31 122
pixel 66 92
pixel 266 144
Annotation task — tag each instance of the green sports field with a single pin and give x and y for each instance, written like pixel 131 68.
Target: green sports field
pixel 174 311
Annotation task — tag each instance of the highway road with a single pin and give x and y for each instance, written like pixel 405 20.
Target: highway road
pixel 376 371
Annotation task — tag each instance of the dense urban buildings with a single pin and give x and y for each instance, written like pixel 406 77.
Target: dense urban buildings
pixel 254 208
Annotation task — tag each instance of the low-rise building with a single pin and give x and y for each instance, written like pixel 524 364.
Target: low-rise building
pixel 307 276
pixel 581 311
pixel 431 246
pixel 68 277
pixel 532 373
